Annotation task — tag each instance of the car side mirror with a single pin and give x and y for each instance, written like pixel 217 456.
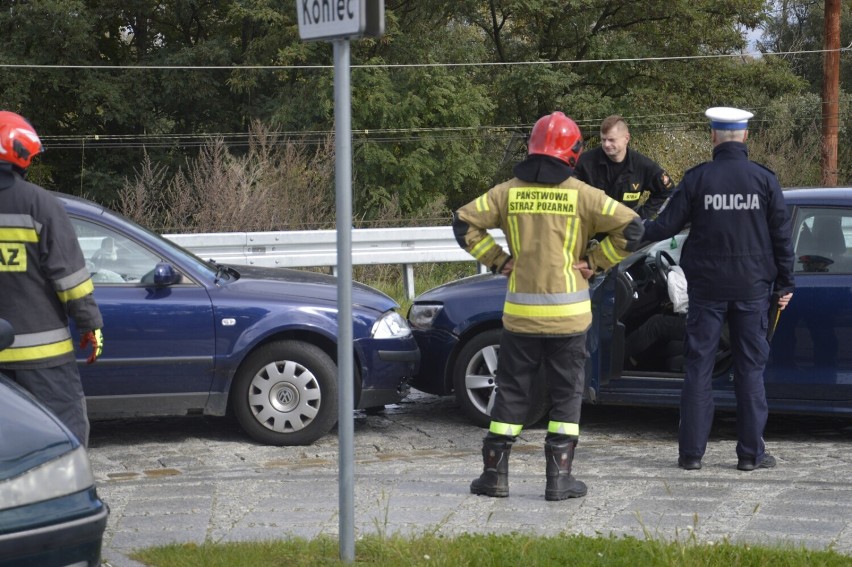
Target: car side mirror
pixel 165 274
pixel 7 334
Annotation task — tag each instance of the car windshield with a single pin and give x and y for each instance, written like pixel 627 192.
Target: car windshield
pixel 119 257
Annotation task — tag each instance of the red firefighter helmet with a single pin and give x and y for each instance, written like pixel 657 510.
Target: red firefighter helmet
pixel 19 143
pixel 556 135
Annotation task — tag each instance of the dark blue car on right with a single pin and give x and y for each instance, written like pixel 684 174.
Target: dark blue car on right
pixel 458 326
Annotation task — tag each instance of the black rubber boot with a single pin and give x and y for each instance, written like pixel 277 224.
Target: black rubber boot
pixel 560 483
pixel 494 480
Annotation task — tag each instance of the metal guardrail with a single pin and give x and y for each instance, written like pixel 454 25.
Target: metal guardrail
pixel 318 248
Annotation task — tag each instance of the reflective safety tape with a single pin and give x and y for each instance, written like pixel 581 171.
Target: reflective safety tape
pixel 515 235
pixel 508 429
pixel 77 292
pixel 530 311
pixel 483 246
pixel 41 338
pixel 547 298
pixel 610 205
pixel 608 248
pixel 563 428
pixel 40 352
pixel 482 203
pixel 572 231
pixel 18 234
pixel 10 220
pixel 73 280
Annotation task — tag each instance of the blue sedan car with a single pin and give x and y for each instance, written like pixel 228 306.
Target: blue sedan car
pixel 458 326
pixel 188 336
pixel 50 512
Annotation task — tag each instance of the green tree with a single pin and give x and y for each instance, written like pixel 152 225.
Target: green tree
pixel 425 133
pixel 799 25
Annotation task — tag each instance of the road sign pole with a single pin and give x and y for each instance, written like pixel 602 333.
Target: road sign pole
pixel 340 22
pixel 343 189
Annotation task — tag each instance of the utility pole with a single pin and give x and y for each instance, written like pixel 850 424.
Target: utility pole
pixel 830 93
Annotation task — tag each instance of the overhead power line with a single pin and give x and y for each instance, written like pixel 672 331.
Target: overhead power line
pixel 670 121
pixel 753 54
pixel 359 137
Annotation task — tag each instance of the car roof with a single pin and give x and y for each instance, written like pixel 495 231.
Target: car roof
pixel 78 204
pixel 819 196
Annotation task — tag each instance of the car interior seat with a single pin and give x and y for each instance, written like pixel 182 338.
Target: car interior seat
pixel 806 243
pixel 828 236
pixel 829 242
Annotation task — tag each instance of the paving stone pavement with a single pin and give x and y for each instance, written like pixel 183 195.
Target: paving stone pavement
pixel 201 480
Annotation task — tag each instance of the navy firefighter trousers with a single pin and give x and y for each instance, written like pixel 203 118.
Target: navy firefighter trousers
pixel 747 321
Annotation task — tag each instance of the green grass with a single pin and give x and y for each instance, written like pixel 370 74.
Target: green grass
pixel 488 550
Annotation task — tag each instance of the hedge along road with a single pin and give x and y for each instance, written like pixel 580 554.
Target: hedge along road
pixel 201 480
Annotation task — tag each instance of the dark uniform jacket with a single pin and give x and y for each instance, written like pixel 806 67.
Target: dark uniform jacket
pixel 43 276
pixel 739 245
pixel 548 218
pixel 643 184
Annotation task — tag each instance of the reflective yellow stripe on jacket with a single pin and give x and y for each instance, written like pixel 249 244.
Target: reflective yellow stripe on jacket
pixel 38 346
pixel 534 305
pixel 483 247
pixel 18 234
pixel 77 285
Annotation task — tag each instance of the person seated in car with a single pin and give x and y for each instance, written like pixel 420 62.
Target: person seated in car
pixel 666 327
pixel 659 330
pixel 106 253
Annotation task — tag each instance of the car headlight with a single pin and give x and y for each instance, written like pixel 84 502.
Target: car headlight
pixel 391 325
pixel 422 315
pixel 68 474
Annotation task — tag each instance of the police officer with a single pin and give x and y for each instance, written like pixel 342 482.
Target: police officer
pixel 44 280
pixel 626 175
pixel 548 217
pixel 737 255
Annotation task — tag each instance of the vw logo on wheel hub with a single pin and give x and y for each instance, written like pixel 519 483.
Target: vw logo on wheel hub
pixel 284 397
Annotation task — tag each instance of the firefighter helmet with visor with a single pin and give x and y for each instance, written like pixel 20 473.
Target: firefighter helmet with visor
pixel 19 143
pixel 557 136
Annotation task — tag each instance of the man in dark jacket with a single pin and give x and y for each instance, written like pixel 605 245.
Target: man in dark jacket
pixel 625 175
pixel 44 280
pixel 738 254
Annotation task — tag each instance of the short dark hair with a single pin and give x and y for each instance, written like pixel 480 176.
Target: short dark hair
pixel 611 122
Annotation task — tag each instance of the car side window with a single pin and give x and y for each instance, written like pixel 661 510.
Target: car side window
pixel 822 240
pixel 111 257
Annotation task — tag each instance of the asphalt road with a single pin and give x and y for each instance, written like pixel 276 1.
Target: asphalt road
pixel 201 479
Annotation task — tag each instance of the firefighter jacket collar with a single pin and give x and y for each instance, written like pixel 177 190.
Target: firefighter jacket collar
pixel 539 168
pixel 7 175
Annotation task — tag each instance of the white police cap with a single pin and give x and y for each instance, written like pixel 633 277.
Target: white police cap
pixel 726 118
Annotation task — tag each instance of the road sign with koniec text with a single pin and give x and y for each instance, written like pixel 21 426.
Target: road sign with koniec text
pixel 338 19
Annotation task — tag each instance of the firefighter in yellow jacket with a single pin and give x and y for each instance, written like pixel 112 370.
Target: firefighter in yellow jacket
pixel 548 218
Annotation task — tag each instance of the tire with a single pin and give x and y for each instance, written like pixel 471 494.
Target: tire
pixel 285 393
pixel 474 380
